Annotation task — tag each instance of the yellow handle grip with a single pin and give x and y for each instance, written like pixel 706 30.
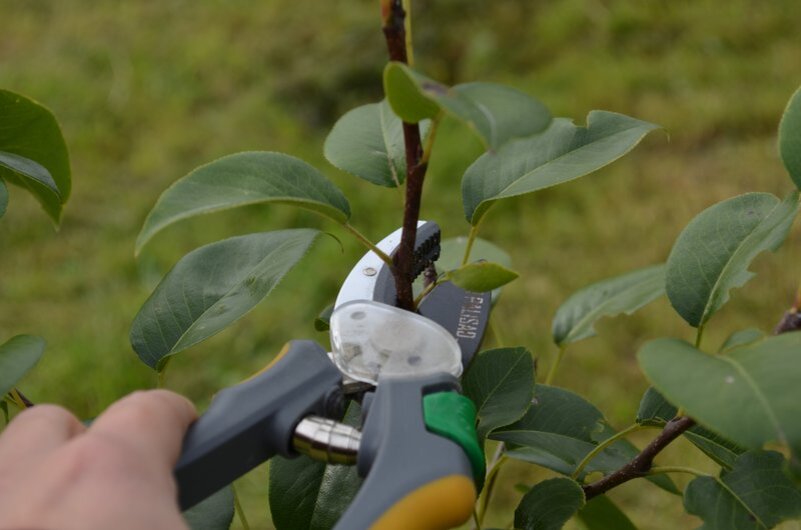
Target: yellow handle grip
pixel 439 505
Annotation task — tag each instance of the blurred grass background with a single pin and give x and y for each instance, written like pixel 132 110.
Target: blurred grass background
pixel 146 91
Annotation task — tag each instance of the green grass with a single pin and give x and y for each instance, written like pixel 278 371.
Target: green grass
pixel 146 91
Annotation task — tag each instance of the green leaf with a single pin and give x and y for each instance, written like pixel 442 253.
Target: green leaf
pixel 3 198
pixel 627 293
pixel 323 320
pixel 214 513
pixel 749 395
pixel 368 142
pixel 17 357
pixel 790 138
pixel 714 251
pixel 756 494
pixel 501 384
pixel 549 505
pixel 562 153
pixel 245 178
pixel 742 337
pixel 452 251
pixel 33 153
pixel 481 276
pixel 600 513
pixel 211 287
pixel 496 113
pixel 543 436
pixel 656 411
pixel 310 495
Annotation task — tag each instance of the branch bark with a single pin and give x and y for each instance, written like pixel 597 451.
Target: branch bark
pixel 642 463
pixel 393 17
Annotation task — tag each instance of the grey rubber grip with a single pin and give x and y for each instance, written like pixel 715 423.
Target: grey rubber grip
pixel 248 423
pixel 398 454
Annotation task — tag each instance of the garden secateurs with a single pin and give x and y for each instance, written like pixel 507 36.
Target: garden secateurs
pixel 417 448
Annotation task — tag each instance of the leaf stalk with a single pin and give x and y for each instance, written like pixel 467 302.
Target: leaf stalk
pixel 603 445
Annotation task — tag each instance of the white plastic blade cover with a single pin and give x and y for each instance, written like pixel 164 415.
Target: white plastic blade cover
pixel 369 339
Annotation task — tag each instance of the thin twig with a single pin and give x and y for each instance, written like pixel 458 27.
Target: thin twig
pixel 641 464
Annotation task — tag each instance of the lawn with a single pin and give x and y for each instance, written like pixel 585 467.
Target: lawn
pixel 146 91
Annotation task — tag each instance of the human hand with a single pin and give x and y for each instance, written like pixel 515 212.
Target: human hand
pixel 56 474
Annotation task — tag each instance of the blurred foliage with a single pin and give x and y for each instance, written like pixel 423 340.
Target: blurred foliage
pixel 146 91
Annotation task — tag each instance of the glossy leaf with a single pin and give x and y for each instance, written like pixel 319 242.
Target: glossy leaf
pixel 549 505
pixel 368 142
pixel 3 198
pixel 750 395
pixel 755 495
pixel 600 513
pixel 214 513
pixel 501 384
pixel 481 276
pixel 655 410
pixel 545 437
pixel 17 357
pixel 33 153
pixel 627 293
pixel 561 153
pixel 310 495
pixel 242 179
pixel 742 337
pixel 714 251
pixel 790 138
pixel 496 113
pixel 211 287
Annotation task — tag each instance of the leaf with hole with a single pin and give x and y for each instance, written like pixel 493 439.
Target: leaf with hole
pixel 749 395
pixel 627 293
pixel 33 153
pixel 368 142
pixel 755 495
pixel 712 254
pixel 310 495
pixel 545 437
pixel 656 411
pixel 790 138
pixel 549 505
pixel 481 276
pixel 17 357
pixel 495 113
pixel 501 384
pixel 600 513
pixel 213 513
pixel 212 287
pixel 561 153
pixel 243 179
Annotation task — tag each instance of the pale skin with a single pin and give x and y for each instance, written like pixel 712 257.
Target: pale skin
pixel 57 474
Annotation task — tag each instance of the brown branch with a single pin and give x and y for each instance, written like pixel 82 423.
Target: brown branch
pixel 640 464
pixel 393 17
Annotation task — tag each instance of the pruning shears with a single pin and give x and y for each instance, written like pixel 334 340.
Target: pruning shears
pixel 417 448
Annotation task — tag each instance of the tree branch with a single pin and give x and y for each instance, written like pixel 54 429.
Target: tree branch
pixel 393 17
pixel 641 464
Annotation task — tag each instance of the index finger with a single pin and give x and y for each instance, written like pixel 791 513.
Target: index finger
pixel 153 421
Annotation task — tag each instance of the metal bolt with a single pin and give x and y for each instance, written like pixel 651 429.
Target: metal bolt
pixel 370 271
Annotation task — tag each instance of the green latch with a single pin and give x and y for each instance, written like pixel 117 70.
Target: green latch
pixel 453 416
